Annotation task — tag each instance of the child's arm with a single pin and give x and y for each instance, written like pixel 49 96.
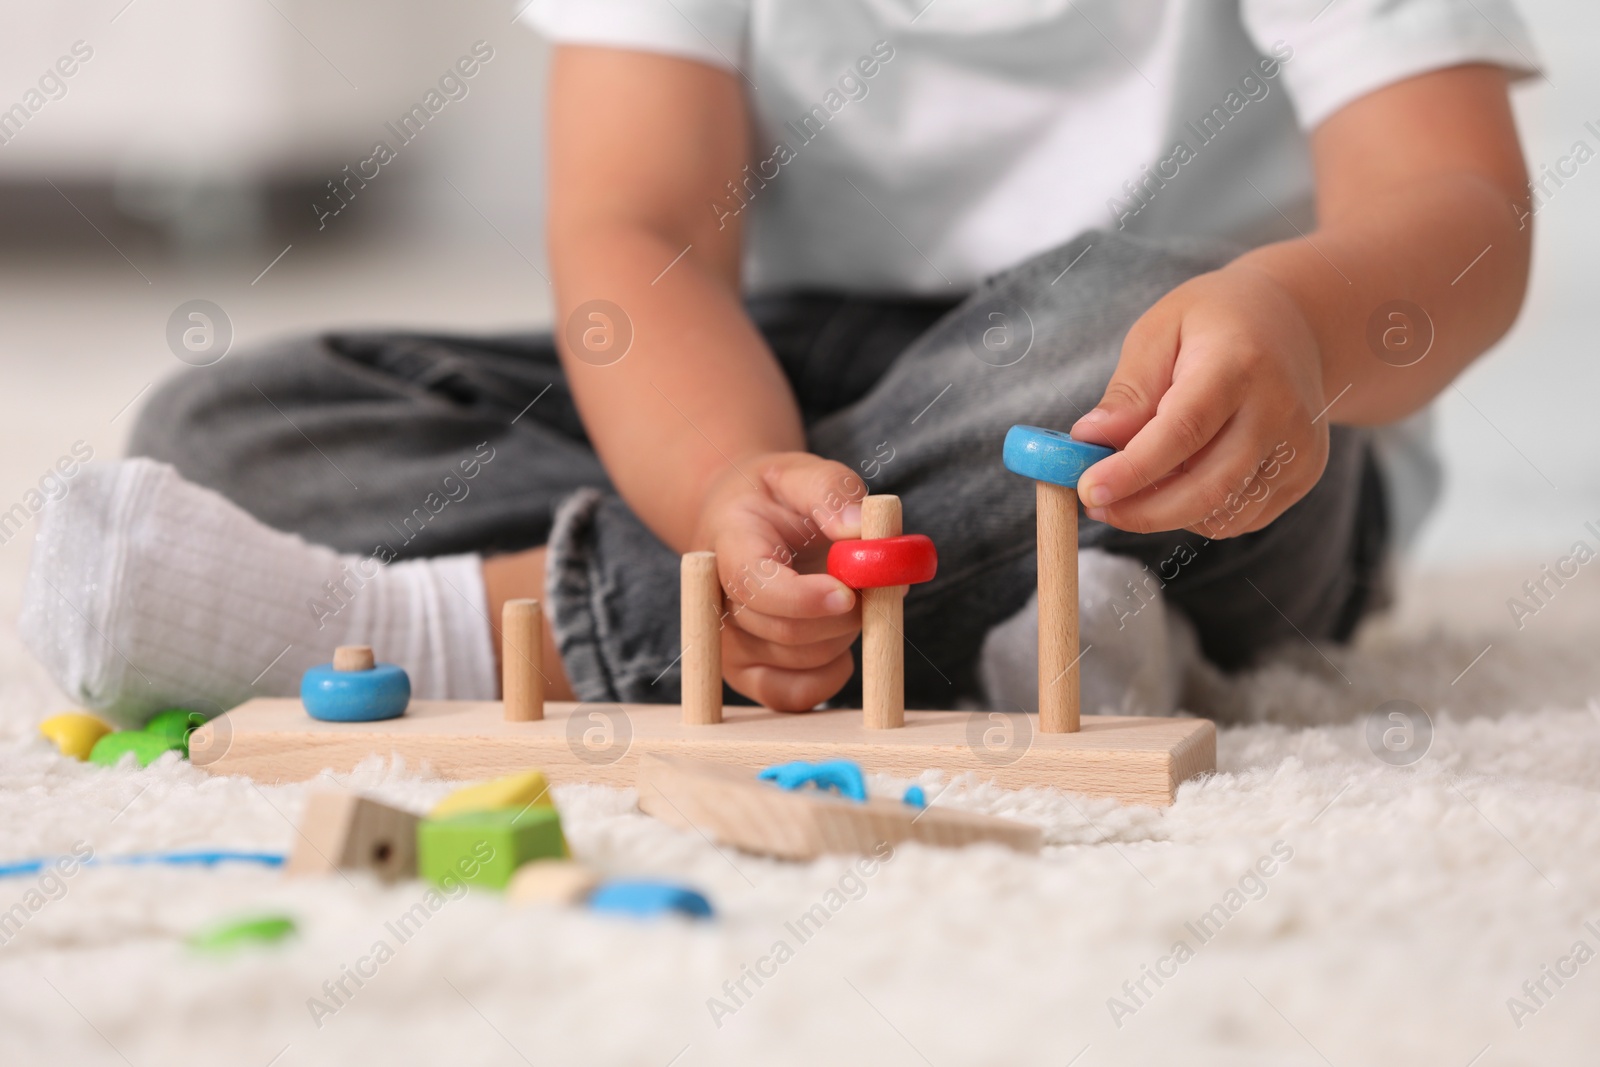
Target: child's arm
pixel 696 425
pixel 1418 187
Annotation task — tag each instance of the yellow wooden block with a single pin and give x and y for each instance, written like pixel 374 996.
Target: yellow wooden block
pixel 523 790
pixel 74 733
pixel 551 882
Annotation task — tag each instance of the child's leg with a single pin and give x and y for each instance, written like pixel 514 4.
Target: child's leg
pixel 149 590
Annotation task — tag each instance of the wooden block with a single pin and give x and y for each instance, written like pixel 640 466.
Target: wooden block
pixel 1058 608
pixel 1135 759
pixel 700 611
pixel 883 644
pixel 522 660
pixel 730 805
pixel 346 832
pixel 353 658
pixel 484 848
pixel 551 882
pixel 512 791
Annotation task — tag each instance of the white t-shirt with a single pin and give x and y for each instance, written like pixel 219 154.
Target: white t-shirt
pixel 919 146
pixel 922 145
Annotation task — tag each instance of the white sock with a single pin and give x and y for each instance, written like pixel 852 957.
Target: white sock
pixel 1136 652
pixel 146 592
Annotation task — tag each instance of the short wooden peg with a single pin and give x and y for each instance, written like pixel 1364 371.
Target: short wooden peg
pixel 883 653
pixel 1058 608
pixel 700 609
pixel 522 660
pixel 353 658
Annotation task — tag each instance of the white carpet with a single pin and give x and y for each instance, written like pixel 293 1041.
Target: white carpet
pixel 1414 903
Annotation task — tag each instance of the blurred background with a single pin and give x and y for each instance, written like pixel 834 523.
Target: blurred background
pixel 184 156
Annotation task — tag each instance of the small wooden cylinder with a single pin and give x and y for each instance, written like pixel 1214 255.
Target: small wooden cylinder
pixel 883 649
pixel 1058 609
pixel 700 613
pixel 522 660
pixel 353 658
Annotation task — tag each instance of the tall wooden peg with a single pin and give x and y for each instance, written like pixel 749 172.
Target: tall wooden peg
pixel 1055 461
pixel 880 567
pixel 522 660
pixel 700 612
pixel 883 652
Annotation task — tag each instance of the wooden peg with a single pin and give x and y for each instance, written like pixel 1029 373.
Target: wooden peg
pixel 883 653
pixel 1058 608
pixel 700 611
pixel 353 658
pixel 522 660
pixel 346 832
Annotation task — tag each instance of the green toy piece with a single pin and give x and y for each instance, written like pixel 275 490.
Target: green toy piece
pixel 238 933
pixel 146 747
pixel 175 724
pixel 484 848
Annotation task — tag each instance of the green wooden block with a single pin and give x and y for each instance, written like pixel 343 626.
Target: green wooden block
pixel 146 748
pixel 175 724
pixel 484 848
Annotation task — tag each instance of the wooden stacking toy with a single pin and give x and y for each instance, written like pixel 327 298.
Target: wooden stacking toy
pixel 1134 759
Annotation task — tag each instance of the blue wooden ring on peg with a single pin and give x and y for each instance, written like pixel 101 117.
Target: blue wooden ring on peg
pixel 355 696
pixel 1050 455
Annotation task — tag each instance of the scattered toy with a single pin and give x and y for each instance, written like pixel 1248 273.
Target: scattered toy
pixel 840 775
pixel 74 733
pixel 915 797
pixel 347 832
pixel 551 882
pixel 484 848
pixel 239 933
pixel 732 806
pixel 512 791
pixel 146 748
pixel 646 899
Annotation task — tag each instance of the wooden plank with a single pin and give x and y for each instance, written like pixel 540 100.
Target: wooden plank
pixel 1137 760
pixel 729 805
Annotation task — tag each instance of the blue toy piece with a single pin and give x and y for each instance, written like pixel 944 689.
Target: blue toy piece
pixel 1050 455
pixel 915 797
pixel 841 775
pixel 355 696
pixel 646 899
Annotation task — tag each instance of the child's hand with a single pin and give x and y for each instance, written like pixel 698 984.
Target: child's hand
pixel 787 634
pixel 1212 405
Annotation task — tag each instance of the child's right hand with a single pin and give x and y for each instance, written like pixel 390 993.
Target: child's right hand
pixel 787 630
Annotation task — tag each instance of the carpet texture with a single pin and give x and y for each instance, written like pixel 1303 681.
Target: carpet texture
pixel 1310 904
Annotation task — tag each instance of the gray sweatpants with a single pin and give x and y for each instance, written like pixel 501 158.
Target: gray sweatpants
pixel 360 442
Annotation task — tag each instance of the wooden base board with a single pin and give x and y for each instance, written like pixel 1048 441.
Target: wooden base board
pixel 1136 760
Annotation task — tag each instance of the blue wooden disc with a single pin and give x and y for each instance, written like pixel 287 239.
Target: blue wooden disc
pixel 1050 455
pixel 355 696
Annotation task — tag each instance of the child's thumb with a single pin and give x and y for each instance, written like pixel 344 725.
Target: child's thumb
pixel 824 493
pixel 1129 402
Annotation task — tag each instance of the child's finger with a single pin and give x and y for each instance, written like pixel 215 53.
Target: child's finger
pixel 1188 500
pixel 746 648
pixel 1191 414
pixel 783 690
pixel 824 495
pixel 790 631
pixel 1143 374
pixel 752 578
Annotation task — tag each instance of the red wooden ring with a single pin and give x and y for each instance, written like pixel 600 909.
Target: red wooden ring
pixel 883 561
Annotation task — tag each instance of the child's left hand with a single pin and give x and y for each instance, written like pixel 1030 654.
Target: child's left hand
pixel 1213 382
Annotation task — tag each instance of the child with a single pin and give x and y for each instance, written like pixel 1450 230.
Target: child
pixel 949 217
